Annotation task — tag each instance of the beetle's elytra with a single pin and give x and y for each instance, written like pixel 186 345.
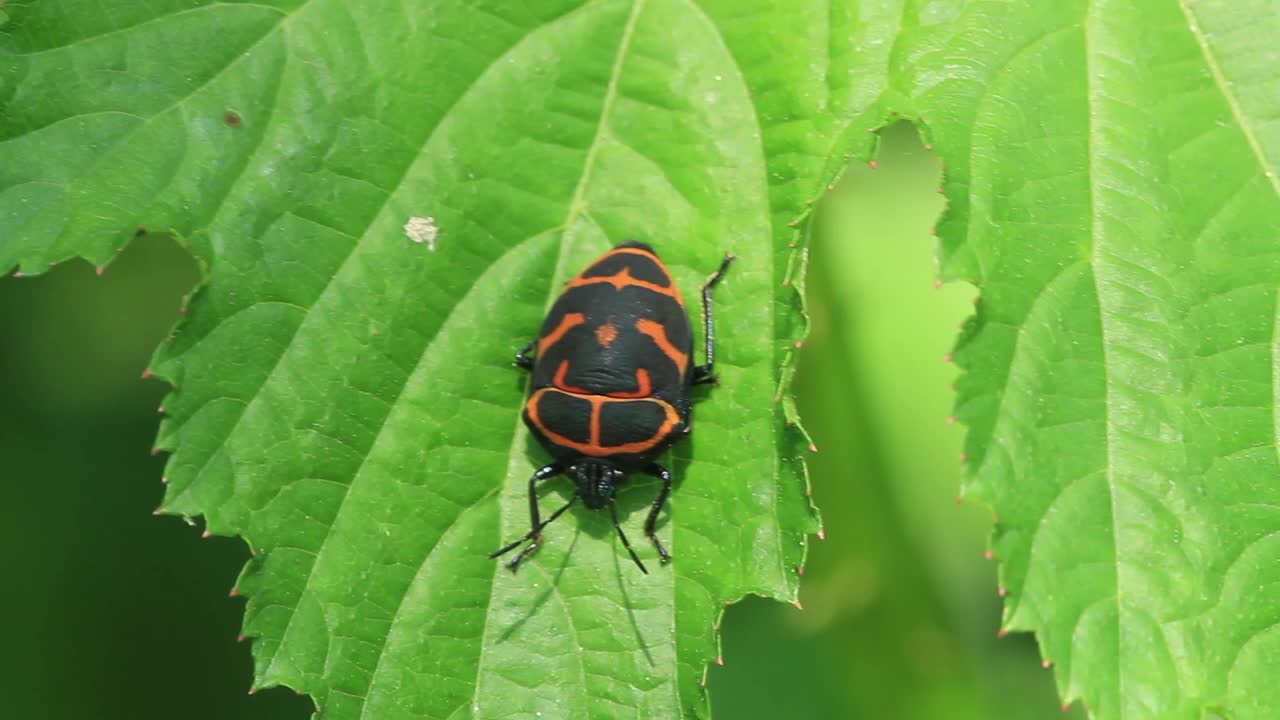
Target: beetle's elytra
pixel 612 371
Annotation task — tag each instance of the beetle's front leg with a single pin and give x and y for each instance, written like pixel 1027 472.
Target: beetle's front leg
pixel 535 533
pixel 522 358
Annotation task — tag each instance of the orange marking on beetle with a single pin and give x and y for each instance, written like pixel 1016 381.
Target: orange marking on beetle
pixel 606 334
pixel 656 331
pixel 593 448
pixel 567 323
pixel 634 251
pixel 560 382
pixel 623 279
pixel 644 387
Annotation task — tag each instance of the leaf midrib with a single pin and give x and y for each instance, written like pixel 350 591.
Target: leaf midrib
pixel 1097 235
pixel 574 210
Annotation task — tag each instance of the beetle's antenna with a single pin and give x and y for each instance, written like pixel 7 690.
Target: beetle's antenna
pixel 613 510
pixel 532 534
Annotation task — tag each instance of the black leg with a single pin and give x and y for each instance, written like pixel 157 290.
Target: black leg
pixel 665 475
pixel 704 373
pixel 543 473
pixel 535 537
pixel 522 358
pixel 613 510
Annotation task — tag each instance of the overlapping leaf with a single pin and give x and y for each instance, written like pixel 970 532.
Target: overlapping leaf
pixel 1112 174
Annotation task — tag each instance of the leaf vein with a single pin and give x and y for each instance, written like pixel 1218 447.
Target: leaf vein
pixel 1221 83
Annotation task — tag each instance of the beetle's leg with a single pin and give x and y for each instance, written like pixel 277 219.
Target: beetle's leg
pixel 534 535
pixel 665 475
pixel 704 373
pixel 613 510
pixel 522 358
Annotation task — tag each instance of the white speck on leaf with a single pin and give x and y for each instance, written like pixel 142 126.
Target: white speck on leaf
pixel 422 230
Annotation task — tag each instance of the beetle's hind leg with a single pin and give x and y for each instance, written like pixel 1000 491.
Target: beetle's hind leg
pixel 706 373
pixel 665 476
pixel 522 358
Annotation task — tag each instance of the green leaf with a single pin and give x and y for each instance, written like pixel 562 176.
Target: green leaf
pixel 1113 184
pixel 345 398
pixel 345 401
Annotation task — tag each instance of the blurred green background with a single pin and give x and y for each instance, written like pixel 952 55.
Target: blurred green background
pixel 113 613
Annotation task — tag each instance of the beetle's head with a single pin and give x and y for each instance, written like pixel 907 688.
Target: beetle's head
pixel 596 481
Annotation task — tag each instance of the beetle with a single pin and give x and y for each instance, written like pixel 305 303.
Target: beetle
pixel 611 378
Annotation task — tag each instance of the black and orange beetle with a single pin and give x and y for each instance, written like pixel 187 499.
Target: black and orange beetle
pixel 612 374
